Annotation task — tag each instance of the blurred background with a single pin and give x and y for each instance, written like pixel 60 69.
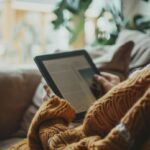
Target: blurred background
pixel 32 27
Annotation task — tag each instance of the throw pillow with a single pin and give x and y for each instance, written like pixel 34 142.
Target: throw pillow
pixel 119 62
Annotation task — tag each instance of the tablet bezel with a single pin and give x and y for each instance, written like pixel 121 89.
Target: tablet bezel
pixel 39 61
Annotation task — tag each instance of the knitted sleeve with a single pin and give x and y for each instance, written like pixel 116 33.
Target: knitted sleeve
pixel 131 128
pixel 109 109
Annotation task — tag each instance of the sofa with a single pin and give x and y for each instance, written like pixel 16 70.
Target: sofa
pixel 17 103
pixel 20 89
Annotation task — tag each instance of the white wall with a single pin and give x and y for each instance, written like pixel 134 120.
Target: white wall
pixel 132 7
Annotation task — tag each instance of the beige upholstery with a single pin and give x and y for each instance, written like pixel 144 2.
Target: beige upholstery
pixel 17 88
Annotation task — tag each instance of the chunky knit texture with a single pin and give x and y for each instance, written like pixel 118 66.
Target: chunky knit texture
pixel 127 103
pixel 137 121
pixel 109 109
pixel 53 117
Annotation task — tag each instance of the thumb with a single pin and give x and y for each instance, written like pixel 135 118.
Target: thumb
pixel 103 81
pixel 47 90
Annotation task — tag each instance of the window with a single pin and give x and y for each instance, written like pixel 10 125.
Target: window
pixel 26 30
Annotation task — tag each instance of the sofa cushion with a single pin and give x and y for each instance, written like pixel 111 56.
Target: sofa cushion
pixel 140 55
pixel 116 60
pixel 17 88
pixel 37 101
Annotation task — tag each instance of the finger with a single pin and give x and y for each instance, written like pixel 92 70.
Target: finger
pixel 45 87
pixel 47 90
pixel 45 98
pixel 108 76
pixel 103 81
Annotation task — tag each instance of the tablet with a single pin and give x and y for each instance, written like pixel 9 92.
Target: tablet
pixel 70 76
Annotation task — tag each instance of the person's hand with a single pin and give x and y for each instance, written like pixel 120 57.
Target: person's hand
pixel 107 80
pixel 47 91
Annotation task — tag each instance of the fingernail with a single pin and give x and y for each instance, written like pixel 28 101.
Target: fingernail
pixel 96 76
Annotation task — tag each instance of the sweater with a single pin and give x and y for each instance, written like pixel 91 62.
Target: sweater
pixel 116 121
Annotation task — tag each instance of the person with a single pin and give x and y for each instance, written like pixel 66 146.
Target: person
pixel 115 121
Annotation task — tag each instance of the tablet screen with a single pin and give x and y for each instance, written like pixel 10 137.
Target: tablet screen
pixel 73 77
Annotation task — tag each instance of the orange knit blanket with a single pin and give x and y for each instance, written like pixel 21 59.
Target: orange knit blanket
pixel 117 121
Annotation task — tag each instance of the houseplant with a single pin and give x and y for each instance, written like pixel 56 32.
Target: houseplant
pixel 71 14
